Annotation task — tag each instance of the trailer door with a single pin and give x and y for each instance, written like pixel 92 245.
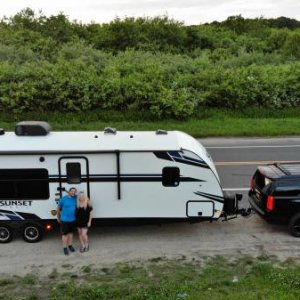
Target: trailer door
pixel 73 172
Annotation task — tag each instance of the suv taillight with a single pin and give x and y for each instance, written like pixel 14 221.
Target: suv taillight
pixel 270 203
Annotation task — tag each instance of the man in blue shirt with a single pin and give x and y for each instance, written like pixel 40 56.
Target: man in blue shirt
pixel 66 217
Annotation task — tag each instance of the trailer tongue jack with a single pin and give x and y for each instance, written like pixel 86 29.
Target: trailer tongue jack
pixel 231 207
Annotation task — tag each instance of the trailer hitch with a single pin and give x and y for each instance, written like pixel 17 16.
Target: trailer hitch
pixel 244 212
pixel 231 207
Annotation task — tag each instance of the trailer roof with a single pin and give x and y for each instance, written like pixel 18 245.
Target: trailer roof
pixel 94 141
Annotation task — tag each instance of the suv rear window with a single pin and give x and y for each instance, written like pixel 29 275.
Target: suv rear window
pixel 261 181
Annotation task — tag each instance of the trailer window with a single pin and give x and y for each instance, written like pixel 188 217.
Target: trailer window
pixel 73 173
pixel 24 184
pixel 170 176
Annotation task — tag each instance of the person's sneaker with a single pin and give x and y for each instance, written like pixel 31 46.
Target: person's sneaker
pixel 71 248
pixel 87 248
pixel 66 252
pixel 82 249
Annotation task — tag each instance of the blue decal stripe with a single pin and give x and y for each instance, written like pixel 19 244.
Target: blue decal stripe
pixel 193 159
pixel 11 215
pixel 199 164
pixel 174 154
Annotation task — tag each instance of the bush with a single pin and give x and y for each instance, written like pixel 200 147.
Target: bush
pixel 267 86
pixel 156 66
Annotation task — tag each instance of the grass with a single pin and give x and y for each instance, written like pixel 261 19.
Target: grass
pixel 216 278
pixel 207 122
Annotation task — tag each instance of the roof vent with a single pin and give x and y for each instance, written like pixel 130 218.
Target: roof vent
pixel 2 131
pixel 160 131
pixel 32 128
pixel 109 130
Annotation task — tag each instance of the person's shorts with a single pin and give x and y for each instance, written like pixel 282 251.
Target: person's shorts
pixel 85 229
pixel 67 227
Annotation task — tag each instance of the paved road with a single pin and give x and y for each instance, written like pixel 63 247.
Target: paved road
pixel 237 159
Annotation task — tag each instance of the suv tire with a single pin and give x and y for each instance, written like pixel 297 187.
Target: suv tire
pixel 294 225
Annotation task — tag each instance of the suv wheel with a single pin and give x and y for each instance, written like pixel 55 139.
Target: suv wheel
pixel 294 225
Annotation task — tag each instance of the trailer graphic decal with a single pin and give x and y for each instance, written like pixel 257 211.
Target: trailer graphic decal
pixel 210 196
pixel 123 178
pixel 181 158
pixel 15 203
pixel 16 216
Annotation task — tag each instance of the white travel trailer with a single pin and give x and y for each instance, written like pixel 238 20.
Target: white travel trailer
pixel 128 175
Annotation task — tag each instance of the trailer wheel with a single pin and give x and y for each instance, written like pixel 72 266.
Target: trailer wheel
pixel 6 234
pixel 294 225
pixel 32 233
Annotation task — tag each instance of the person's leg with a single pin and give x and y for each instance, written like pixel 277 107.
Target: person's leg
pixel 70 238
pixel 80 236
pixel 81 240
pixel 70 242
pixel 71 227
pixel 64 238
pixel 85 239
pixel 65 244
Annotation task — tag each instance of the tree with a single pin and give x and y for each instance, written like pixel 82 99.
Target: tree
pixel 292 45
pixel 59 28
pixel 27 19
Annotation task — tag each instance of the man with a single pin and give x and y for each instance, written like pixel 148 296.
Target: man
pixel 66 217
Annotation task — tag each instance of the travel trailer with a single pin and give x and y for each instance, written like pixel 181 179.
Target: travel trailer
pixel 127 175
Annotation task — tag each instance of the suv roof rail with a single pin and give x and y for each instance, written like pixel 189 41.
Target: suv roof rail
pixel 282 168
pixel 287 169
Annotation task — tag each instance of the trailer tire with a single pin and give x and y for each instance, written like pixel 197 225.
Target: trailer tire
pixel 32 233
pixel 294 225
pixel 6 234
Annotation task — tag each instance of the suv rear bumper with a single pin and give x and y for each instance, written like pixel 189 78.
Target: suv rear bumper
pixel 256 207
pixel 272 217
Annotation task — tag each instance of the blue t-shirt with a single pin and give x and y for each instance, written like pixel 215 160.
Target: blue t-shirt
pixel 67 205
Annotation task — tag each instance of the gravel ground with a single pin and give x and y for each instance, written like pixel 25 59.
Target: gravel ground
pixel 109 245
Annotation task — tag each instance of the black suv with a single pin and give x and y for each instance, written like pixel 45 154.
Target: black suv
pixel 275 194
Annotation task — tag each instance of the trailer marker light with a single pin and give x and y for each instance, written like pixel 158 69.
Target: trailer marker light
pixel 48 227
pixel 270 203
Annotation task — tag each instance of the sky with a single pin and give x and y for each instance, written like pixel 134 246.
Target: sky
pixel 187 11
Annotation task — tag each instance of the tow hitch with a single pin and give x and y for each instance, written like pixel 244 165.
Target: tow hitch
pixel 231 207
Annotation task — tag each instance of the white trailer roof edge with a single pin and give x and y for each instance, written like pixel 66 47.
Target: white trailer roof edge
pixel 32 137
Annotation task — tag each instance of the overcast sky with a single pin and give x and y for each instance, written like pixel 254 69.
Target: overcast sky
pixel 187 11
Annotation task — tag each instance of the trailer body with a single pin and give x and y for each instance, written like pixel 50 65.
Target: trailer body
pixel 127 175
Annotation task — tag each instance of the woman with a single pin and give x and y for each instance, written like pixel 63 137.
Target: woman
pixel 83 220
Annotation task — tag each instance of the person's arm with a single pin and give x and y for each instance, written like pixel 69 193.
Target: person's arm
pixel 58 214
pixel 90 218
pixel 58 211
